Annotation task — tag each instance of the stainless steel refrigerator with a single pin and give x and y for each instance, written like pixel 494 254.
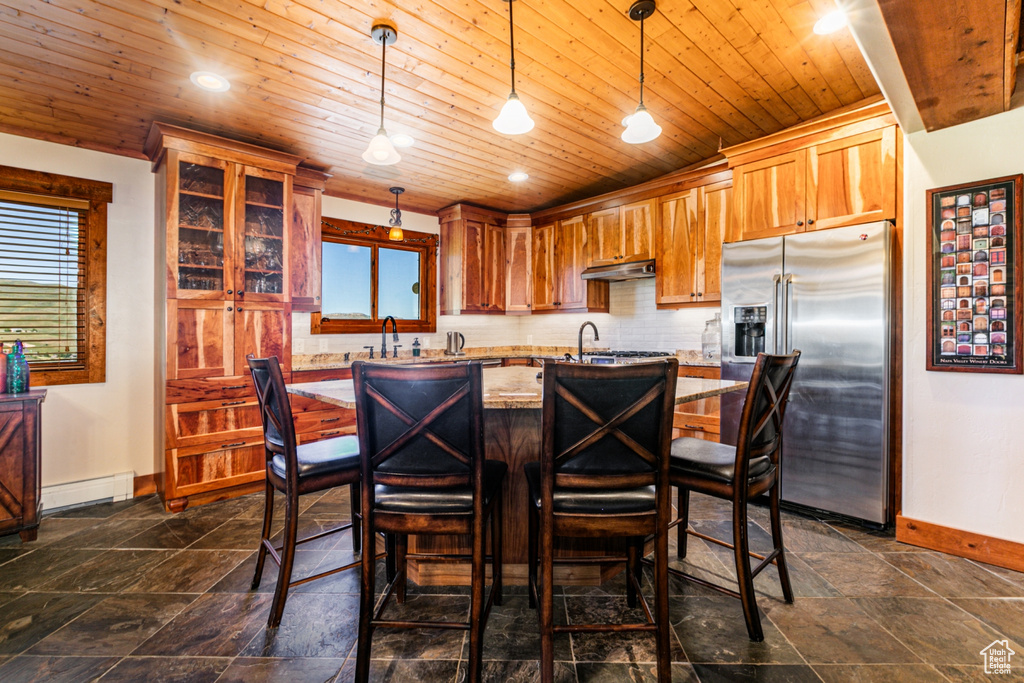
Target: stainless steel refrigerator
pixel 828 294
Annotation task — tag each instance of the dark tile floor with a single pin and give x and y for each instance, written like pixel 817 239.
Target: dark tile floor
pixel 125 592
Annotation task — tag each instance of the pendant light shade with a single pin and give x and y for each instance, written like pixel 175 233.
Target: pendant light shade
pixel 513 119
pixel 381 152
pixel 640 125
pixel 396 234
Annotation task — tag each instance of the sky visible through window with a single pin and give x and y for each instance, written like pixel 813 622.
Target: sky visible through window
pixel 346 282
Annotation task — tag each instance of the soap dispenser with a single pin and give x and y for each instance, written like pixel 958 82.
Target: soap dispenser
pixel 416 347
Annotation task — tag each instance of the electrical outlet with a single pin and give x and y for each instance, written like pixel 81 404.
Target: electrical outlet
pixel 529 340
pixel 323 345
pixel 298 345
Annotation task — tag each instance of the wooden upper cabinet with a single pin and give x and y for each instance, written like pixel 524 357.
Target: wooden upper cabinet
pixel 852 180
pixel 262 230
pixel 304 243
pixel 621 234
pixel 638 230
pixel 770 196
pixel 688 245
pixel 829 174
pixel 570 242
pixel 545 273
pixel 676 248
pixel 518 268
pixel 472 261
pixel 604 237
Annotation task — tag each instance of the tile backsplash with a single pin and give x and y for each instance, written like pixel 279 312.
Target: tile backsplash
pixel 633 323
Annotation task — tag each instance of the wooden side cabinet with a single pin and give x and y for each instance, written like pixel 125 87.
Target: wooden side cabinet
pixel 20 444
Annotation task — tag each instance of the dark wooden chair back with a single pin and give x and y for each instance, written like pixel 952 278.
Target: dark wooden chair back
pixel 605 426
pixel 275 407
pixel 420 426
pixel 760 429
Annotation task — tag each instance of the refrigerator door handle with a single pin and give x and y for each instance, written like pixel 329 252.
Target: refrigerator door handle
pixel 787 318
pixel 776 279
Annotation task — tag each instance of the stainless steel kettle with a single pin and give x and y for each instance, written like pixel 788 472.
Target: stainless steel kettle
pixel 455 343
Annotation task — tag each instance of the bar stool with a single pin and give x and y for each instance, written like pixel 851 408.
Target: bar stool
pixel 296 470
pixel 738 473
pixel 423 471
pixel 603 472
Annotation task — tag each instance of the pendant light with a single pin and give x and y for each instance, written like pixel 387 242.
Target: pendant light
pixel 640 126
pixel 381 152
pixel 513 118
pixel 396 234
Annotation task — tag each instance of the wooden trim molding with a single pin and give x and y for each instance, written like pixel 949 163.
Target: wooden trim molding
pixel 144 485
pixel 987 549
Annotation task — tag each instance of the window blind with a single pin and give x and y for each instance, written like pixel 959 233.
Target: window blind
pixel 42 277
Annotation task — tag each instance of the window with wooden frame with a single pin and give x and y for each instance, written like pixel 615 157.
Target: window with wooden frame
pixel 366 277
pixel 53 273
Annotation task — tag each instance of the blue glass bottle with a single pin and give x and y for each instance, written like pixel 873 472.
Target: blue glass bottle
pixel 17 369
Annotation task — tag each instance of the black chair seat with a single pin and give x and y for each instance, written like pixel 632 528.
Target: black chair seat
pixel 322 457
pixel 439 501
pixel 591 501
pixel 712 460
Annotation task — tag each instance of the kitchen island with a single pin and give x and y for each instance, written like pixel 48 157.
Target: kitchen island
pixel 512 427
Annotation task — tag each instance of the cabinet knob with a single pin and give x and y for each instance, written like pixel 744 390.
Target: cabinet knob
pixel 692 294
pixel 229 308
pixel 241 293
pixel 700 293
pixel 799 222
pixel 239 309
pixel 810 221
pixel 230 292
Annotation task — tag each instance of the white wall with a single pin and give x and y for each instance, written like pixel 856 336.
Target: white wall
pixel 97 430
pixel 963 450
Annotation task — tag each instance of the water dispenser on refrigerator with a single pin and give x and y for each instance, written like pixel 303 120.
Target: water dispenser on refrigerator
pixel 749 321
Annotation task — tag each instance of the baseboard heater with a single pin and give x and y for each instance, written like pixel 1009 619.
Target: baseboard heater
pixel 113 487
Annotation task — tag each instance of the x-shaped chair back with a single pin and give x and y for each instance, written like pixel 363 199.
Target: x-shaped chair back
pixel 421 426
pixel 760 431
pixel 604 427
pixel 275 407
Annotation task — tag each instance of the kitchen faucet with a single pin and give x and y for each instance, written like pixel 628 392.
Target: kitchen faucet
pixel 579 357
pixel 384 335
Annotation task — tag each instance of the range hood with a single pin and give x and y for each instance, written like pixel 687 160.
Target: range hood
pixel 621 271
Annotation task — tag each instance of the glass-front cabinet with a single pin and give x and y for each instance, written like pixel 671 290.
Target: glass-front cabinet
pixel 197 238
pixel 262 264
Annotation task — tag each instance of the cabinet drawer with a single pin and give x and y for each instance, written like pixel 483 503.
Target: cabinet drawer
pixel 199 389
pixel 325 420
pixel 700 371
pixel 300 376
pixel 310 437
pixel 197 469
pixel 206 422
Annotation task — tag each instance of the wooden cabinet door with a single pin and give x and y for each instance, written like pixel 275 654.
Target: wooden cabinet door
pixel 262 329
pixel 494 266
pixel 304 250
pixel 262 218
pixel 716 219
pixel 518 270
pixel 200 219
pixel 637 227
pixel 200 338
pixel 570 260
pixel 474 259
pixel 769 196
pixel 604 237
pixel 676 248
pixel 545 274
pixel 852 180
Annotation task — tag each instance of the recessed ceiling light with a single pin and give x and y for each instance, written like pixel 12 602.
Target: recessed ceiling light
pixel 207 80
pixel 402 140
pixel 830 23
pixel 518 177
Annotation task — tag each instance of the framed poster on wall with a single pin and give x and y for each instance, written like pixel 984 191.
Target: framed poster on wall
pixel 974 276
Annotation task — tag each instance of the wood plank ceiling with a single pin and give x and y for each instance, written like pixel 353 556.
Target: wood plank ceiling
pixel 305 78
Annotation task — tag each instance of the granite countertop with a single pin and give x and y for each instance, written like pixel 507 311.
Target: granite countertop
pixel 513 387
pixel 333 361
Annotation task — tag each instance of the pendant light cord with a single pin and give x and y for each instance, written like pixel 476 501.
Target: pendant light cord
pixel 383 65
pixel 512 45
pixel 642 17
